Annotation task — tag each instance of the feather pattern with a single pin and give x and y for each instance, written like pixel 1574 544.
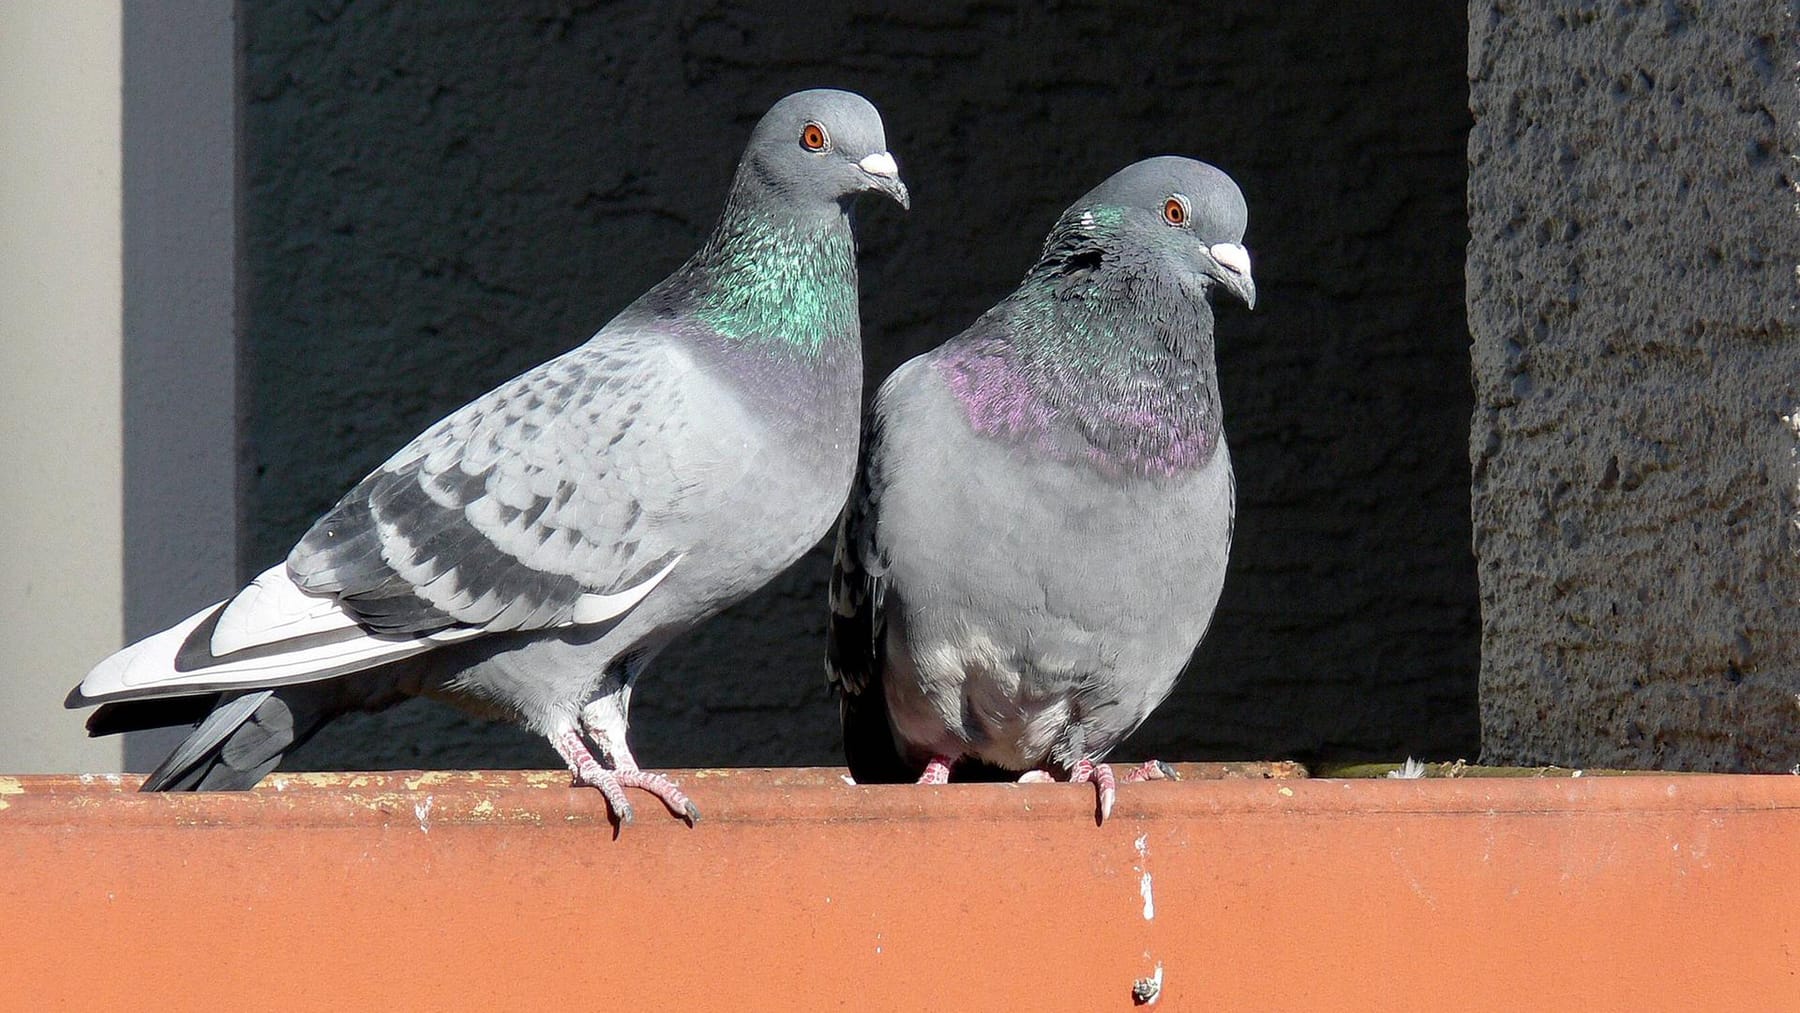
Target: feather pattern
pixel 513 511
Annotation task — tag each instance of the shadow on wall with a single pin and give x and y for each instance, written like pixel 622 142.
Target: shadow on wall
pixel 440 198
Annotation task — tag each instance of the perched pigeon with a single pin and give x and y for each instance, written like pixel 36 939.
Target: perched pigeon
pixel 1038 534
pixel 529 555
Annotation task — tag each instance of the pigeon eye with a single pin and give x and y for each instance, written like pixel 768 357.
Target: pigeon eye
pixel 814 138
pixel 1175 211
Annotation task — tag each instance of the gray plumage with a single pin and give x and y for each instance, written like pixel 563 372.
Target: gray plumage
pixel 1039 531
pixel 530 554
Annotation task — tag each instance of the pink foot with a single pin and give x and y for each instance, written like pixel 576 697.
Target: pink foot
pixel 1105 782
pixel 938 770
pixel 612 784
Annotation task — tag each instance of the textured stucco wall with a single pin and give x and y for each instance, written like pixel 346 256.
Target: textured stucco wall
pixel 1632 300
pixel 441 197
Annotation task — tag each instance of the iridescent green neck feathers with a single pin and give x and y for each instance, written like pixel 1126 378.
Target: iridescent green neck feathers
pixel 772 278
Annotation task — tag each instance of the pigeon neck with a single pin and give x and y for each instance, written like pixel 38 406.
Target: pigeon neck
pixel 774 276
pixel 1098 362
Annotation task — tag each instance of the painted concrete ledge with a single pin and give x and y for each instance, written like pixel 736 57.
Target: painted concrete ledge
pixel 799 892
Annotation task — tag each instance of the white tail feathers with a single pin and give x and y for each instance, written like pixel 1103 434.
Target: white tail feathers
pixel 148 667
pixel 286 636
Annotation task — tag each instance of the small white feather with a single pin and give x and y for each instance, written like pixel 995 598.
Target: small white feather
pixel 1410 770
pixel 595 608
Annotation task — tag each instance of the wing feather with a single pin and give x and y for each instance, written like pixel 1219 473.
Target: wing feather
pixel 566 496
pixel 509 511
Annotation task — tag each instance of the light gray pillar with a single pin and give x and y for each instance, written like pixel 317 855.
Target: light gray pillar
pixel 118 348
pixel 60 498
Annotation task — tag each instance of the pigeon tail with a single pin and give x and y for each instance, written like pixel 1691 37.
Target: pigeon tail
pixel 869 748
pixel 244 738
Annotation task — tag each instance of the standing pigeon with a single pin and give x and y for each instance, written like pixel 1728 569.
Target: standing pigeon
pixel 529 555
pixel 1038 534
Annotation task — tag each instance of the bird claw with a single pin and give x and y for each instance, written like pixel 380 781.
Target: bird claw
pixel 612 783
pixel 1105 784
pixel 607 783
pixel 663 788
pixel 1105 780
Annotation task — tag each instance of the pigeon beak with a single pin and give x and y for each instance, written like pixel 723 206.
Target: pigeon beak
pixel 885 173
pixel 1234 273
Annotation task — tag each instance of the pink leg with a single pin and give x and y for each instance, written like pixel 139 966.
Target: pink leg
pixel 1101 774
pixel 938 770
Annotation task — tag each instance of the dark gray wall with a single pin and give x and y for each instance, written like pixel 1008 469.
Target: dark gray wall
pixel 439 198
pixel 1632 301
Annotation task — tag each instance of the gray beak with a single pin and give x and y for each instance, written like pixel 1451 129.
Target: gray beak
pixel 1234 271
pixel 884 173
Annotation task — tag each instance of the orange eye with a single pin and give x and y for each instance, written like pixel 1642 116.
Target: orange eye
pixel 1175 212
pixel 813 137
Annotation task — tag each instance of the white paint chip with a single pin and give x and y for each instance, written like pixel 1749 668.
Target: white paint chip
pixel 1145 889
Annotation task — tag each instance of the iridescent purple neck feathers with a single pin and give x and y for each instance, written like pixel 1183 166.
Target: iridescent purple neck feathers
pixel 1097 364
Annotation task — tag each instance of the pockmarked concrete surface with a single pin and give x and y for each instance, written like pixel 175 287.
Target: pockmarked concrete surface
pixel 1636 441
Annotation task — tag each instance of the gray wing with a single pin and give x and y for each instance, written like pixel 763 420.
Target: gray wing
pixel 855 643
pixel 858 581
pixel 576 477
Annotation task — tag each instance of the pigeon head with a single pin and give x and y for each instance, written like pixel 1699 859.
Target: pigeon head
pixel 1186 215
pixel 823 147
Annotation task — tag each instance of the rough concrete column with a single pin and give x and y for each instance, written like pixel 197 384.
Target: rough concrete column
pixel 1632 299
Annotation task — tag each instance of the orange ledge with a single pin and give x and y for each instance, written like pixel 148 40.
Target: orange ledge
pixel 799 892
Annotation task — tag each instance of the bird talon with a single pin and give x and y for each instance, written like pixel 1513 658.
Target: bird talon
pixel 1105 784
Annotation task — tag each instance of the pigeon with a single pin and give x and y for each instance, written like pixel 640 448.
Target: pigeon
pixel 528 556
pixel 1038 533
